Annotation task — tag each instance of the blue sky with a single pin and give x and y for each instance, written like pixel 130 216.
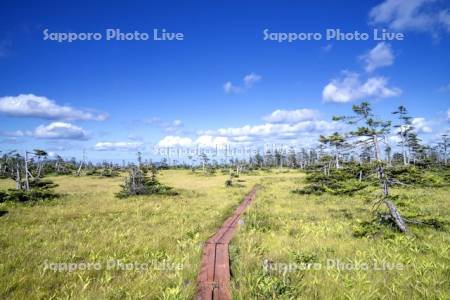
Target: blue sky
pixel 223 83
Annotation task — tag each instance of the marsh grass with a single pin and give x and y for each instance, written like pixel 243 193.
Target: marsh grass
pixel 89 224
pixel 285 227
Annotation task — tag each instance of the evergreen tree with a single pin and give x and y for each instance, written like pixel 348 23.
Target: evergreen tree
pixel 372 131
pixel 404 128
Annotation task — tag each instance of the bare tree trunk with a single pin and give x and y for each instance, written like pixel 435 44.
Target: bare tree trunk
pixel 395 215
pixel 40 168
pixel 377 148
pixel 18 183
pixel 405 161
pixel 27 184
pixel 398 220
pixel 79 168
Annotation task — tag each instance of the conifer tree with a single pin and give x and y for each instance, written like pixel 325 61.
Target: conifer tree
pixel 372 130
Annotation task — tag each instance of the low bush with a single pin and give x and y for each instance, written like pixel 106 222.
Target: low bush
pixel 40 189
pixel 353 178
pixel 137 183
pixel 338 182
pixel 27 196
pixel 229 182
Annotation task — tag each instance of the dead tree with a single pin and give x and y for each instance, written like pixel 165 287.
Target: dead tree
pixel 27 183
pixel 393 212
pixel 396 217
pixel 82 163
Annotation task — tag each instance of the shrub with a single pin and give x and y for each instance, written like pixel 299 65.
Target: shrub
pixel 109 173
pixel 338 182
pixel 40 189
pixel 43 184
pixel 137 183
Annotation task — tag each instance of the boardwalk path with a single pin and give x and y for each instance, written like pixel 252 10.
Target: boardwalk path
pixel 214 277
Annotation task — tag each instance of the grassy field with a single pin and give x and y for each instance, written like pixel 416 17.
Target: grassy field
pixel 89 224
pixel 318 247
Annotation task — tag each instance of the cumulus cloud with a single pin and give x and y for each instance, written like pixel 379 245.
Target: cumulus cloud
pixel 252 134
pixel 291 116
pixel 349 87
pixel 117 146
pixel 300 125
pixel 211 141
pixel 421 125
pixel 251 79
pixel 416 15
pixel 248 81
pixel 29 105
pixel 174 141
pixel 201 141
pixel 60 130
pixel 276 130
pixel 305 132
pixel 380 56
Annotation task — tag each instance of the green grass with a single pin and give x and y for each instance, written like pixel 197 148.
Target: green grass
pixel 282 227
pixel 88 224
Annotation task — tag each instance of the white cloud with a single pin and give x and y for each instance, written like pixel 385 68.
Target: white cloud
pixel 229 88
pixel 350 87
pixel 60 130
pixel 211 141
pixel 421 125
pixel 201 141
pixel 248 81
pixel 275 131
pixel 291 116
pixel 380 56
pixel 394 139
pixel 173 141
pixel 283 126
pixel 114 146
pixel 304 132
pixel 29 105
pixel 416 15
pixel 251 79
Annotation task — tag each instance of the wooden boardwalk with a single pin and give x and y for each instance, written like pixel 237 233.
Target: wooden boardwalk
pixel 214 278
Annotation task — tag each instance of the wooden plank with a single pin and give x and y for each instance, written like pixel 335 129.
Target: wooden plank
pixel 213 281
